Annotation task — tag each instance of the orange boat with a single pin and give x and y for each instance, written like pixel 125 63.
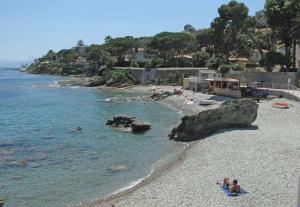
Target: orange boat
pixel 281 105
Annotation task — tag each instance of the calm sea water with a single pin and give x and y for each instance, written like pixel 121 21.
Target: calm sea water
pixel 43 162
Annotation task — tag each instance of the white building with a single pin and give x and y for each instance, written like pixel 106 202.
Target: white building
pixel 200 83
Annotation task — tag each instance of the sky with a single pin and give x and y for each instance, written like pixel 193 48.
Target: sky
pixel 29 28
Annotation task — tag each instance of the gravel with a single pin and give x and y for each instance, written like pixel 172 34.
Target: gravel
pixel 266 161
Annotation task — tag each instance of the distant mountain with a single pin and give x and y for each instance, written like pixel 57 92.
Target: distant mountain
pixel 14 63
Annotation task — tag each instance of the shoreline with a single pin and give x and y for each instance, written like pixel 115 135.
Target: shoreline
pixel 160 167
pixel 167 163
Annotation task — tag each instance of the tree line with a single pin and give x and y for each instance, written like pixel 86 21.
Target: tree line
pixel 233 33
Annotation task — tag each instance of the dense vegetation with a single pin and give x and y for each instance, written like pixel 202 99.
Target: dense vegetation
pixel 232 34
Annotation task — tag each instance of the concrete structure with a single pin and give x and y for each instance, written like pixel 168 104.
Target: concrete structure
pixel 199 83
pixel 261 19
pixel 265 77
pixel 298 54
pixel 160 75
pixel 225 87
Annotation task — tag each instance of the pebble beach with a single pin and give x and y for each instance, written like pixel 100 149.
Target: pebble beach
pixel 265 159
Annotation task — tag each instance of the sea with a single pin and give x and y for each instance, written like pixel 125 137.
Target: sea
pixel 45 162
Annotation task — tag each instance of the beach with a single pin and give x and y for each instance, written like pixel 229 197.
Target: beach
pixel 265 160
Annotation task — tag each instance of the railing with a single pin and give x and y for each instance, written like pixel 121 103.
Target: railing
pixel 278 86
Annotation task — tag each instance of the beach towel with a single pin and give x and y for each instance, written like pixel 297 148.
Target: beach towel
pixel 229 194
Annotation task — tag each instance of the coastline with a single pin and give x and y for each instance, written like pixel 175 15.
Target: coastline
pixel 178 104
pixel 266 156
pixel 161 166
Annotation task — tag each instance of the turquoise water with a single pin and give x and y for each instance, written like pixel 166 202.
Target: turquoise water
pixel 43 162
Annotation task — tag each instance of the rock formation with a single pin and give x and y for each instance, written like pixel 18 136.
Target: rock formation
pixel 236 113
pixel 129 122
pixel 140 126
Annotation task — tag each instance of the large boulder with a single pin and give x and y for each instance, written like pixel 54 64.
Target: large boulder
pixel 236 113
pixel 140 126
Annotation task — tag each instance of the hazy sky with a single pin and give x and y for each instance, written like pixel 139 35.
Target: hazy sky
pixel 29 28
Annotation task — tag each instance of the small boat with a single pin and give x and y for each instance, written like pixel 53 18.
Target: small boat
pixel 281 105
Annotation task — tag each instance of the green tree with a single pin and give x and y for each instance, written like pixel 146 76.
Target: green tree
pixel 281 15
pixel 200 58
pixel 101 57
pixel 274 58
pixel 120 47
pixel 205 38
pixel 67 56
pixel 172 45
pixel 189 28
pixel 228 25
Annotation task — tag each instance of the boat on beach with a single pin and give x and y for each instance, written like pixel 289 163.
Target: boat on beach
pixel 281 105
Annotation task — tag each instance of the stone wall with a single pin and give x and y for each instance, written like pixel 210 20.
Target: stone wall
pixel 161 74
pixel 265 77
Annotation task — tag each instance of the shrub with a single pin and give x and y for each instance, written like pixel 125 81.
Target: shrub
pixel 115 76
pixel 215 61
pixel 227 67
pixel 200 59
pixel 274 58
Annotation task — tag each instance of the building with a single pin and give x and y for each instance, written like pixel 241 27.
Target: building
pixel 261 19
pixel 225 87
pixel 140 56
pixel 200 83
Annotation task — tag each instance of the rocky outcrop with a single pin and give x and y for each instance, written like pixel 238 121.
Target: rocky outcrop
pixel 140 126
pixel 129 122
pixel 86 82
pixel 165 94
pixel 121 121
pixel 236 113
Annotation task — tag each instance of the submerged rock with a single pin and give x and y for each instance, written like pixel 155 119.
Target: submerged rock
pixel 117 168
pixel 236 113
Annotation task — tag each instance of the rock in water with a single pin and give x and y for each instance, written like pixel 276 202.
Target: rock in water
pixel 125 122
pixel 140 126
pixel 121 121
pixel 236 113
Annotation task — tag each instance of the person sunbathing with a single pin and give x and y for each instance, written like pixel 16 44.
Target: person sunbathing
pixel 234 187
pixel 226 183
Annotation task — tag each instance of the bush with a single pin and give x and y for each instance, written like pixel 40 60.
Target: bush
pixel 227 67
pixel 135 65
pixel 215 61
pixel 142 64
pixel 274 58
pixel 200 59
pixel 174 78
pixel 115 76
